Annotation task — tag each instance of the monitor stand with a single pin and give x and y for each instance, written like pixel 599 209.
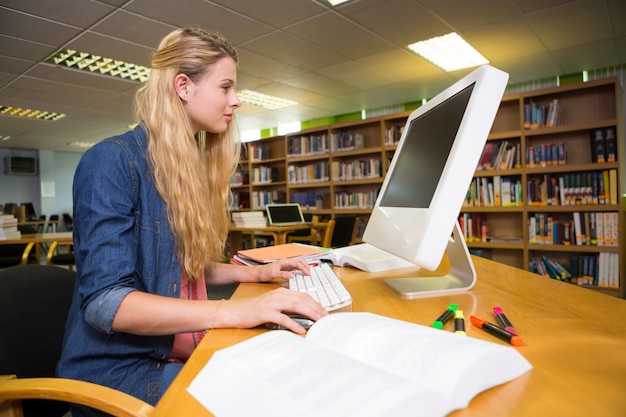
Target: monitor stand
pixel 460 277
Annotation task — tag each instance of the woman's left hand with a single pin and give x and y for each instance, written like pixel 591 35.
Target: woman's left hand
pixel 281 269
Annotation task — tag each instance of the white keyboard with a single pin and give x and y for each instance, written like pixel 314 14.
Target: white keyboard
pixel 324 286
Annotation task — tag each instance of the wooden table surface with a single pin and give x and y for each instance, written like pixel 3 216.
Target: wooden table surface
pixel 574 338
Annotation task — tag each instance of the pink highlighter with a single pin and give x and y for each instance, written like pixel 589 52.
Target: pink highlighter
pixel 503 320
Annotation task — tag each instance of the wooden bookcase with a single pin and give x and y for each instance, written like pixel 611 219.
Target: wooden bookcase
pixel 340 168
pixel 583 108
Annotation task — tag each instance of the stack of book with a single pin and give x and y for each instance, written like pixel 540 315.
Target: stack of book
pixel 255 218
pixel 8 227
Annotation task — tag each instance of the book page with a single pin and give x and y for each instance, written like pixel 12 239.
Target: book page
pixel 459 367
pixel 367 258
pixel 279 373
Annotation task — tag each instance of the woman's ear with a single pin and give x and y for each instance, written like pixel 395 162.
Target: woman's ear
pixel 181 85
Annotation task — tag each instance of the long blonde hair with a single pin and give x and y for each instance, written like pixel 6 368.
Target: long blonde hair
pixel 191 172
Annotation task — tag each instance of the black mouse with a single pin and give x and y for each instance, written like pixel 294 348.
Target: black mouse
pixel 301 320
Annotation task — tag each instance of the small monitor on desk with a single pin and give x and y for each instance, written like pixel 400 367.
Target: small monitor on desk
pixel 418 206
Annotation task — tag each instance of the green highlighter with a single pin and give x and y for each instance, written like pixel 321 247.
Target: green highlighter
pixel 447 315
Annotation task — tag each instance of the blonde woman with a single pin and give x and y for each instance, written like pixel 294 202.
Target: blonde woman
pixel 150 223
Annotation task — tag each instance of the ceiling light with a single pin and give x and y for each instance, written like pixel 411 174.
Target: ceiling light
pixel 336 2
pixel 98 64
pixel 30 114
pixel 3 138
pixel 80 144
pixel 263 100
pixel 449 52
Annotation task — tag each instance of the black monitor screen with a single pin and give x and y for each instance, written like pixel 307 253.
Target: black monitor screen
pixel 424 152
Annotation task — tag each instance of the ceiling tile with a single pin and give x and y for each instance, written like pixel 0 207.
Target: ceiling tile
pixel 293 51
pixel 276 13
pixel 332 31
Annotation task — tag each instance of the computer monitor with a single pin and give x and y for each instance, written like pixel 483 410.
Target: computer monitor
pixel 416 212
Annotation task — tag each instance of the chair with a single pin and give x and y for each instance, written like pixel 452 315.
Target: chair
pixel 68 221
pixel 34 303
pixel 328 234
pixel 53 256
pixel 15 254
pixel 345 230
pixel 51 223
pixel 305 235
pixel 42 223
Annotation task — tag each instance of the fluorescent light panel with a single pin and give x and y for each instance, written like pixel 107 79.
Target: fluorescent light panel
pixel 98 64
pixel 449 52
pixel 263 100
pixel 80 144
pixel 30 113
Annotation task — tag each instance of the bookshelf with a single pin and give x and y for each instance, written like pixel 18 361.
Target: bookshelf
pixel 339 168
pixel 330 170
pixel 554 179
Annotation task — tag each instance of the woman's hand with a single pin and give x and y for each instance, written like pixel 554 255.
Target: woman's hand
pixel 281 269
pixel 271 307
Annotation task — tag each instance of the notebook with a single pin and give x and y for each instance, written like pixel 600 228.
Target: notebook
pixel 287 214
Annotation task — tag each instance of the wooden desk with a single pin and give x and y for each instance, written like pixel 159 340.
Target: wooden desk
pixel 575 339
pixel 43 223
pixel 64 238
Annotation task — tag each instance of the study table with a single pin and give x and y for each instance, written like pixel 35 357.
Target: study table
pixel 64 238
pixel 574 337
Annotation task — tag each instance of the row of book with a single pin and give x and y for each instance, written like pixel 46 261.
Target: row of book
pixel 393 134
pixel 582 229
pixel 259 152
pixel 538 116
pixel 240 177
pixel 264 174
pixel 603 145
pixel 347 141
pixel 494 191
pixel 498 155
pixel 307 145
pixel 308 200
pixel 476 227
pixel 546 154
pixel 355 199
pixel 601 269
pixel 8 227
pixel 240 200
pixel 262 198
pixel 302 174
pixel 578 188
pixel 357 169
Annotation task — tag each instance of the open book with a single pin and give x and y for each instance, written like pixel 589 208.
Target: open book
pixel 354 364
pixel 366 258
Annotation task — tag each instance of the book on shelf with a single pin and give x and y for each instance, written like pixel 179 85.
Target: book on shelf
pixel 610 144
pixel 354 364
pixel 601 269
pixel 598 145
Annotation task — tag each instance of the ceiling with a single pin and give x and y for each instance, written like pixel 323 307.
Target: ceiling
pixel 332 61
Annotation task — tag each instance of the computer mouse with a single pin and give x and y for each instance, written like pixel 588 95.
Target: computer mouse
pixel 301 320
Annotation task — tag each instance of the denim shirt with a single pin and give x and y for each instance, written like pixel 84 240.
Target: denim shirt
pixel 122 243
